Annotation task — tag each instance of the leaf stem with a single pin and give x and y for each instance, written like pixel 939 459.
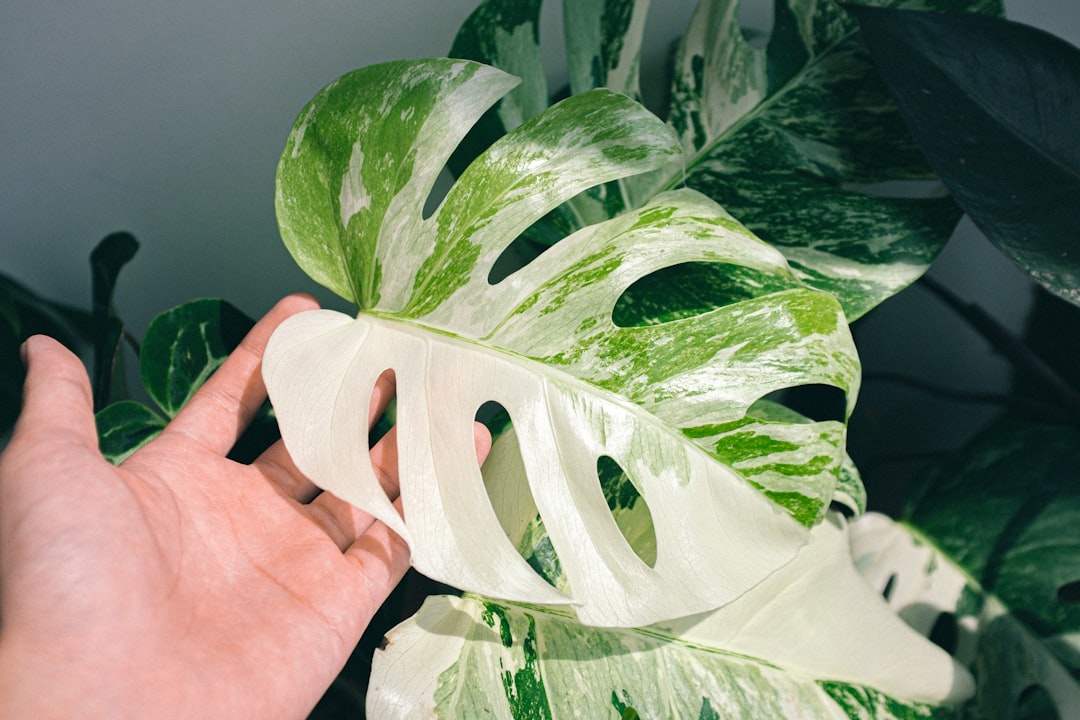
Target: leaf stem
pixel 132 341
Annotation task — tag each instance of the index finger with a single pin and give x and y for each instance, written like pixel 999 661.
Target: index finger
pixel 222 408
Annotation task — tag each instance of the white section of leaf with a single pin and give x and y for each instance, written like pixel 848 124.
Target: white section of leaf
pixel 887 275
pixel 925 583
pixel 716 535
pixel 818 617
pixel 354 196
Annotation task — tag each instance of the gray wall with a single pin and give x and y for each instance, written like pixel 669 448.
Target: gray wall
pixel 166 119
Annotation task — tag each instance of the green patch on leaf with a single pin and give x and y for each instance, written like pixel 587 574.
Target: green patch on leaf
pixel 542 343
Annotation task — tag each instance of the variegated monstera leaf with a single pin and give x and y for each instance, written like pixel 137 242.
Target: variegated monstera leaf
pixel 791 130
pixel 732 485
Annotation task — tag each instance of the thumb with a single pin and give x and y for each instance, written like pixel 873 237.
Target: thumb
pixel 58 404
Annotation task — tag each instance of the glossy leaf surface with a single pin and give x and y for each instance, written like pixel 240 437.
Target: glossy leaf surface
pixel 995 106
pixel 664 401
pixel 797 138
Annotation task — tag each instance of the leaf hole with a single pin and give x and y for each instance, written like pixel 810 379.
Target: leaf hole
pixel 523 250
pixel 594 205
pixel 437 193
pixel 755 21
pixel 388 417
pixel 815 401
pixel 511 497
pixel 1035 703
pixel 628 508
pixel 494 417
pixel 1069 592
pixel 945 633
pixel 842 509
pixel 688 289
pixel 383 447
pixel 890 584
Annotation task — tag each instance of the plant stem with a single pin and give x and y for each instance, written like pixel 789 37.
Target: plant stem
pixel 980 398
pixel 1011 347
pixel 1025 405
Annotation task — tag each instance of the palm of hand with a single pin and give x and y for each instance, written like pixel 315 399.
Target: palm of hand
pixel 198 586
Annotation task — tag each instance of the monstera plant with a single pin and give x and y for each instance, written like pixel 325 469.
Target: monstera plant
pixel 649 502
pixel 635 303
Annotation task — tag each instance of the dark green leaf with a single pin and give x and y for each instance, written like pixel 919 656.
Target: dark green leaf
pixel 106 260
pixel 124 427
pixel 36 315
pixel 24 313
pixel 182 349
pixel 995 106
pixel 185 345
pixel 11 378
pixel 8 312
pixel 1008 511
pixel 111 254
pixel 987 563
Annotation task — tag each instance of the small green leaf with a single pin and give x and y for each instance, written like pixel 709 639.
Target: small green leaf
pixel 124 427
pixel 182 349
pixel 185 345
pixel 995 105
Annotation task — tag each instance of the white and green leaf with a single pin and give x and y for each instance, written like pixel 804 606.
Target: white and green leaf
pixel 990 553
pixel 796 646
pixel 603 40
pixel 800 141
pixel 663 401
pixel 603 44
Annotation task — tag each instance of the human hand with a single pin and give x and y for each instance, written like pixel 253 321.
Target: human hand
pixel 181 583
